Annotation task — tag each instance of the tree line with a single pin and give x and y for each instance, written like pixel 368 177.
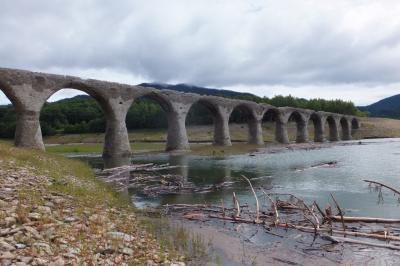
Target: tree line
pixel 82 114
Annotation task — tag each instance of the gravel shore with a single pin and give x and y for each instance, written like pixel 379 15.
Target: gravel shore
pixel 49 216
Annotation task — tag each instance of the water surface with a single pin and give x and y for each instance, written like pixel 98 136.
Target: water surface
pixel 293 172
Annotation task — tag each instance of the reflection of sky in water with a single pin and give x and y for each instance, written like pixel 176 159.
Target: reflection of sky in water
pixel 375 160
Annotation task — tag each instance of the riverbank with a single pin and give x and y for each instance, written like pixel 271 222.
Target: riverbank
pixel 201 137
pixel 53 211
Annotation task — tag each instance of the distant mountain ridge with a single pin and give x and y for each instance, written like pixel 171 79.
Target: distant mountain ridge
pixel 388 107
pixel 198 90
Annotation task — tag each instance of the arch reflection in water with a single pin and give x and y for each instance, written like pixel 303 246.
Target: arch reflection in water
pixel 182 163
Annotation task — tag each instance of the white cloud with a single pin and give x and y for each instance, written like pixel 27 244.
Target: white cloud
pixel 346 49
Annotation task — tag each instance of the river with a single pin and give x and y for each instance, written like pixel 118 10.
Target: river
pixel 312 174
pixel 300 172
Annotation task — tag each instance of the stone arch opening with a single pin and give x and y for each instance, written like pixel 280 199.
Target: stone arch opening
pixel 147 122
pixel 332 128
pixel 241 124
pixel 315 128
pixel 269 121
pixel 201 115
pixel 345 133
pixel 74 118
pixel 8 117
pixel 297 127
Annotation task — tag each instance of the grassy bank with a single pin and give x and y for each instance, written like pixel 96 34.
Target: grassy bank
pixel 154 140
pixel 53 210
pixel 378 128
pixel 98 147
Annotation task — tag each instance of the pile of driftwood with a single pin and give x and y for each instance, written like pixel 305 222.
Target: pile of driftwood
pixel 150 180
pixel 291 212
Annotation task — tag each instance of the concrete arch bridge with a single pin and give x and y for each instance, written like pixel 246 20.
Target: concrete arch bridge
pixel 28 91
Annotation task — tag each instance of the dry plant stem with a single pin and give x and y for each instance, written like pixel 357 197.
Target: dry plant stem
pixel 306 206
pixel 273 204
pixel 320 210
pixel 257 203
pixel 234 219
pixel 236 204
pixel 313 214
pixel 383 185
pixel 338 239
pixel 340 213
pixel 222 207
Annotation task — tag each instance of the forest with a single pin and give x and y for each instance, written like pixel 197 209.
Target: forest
pixel 82 114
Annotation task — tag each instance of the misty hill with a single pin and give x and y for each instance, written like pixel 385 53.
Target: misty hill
pixel 388 107
pixel 199 90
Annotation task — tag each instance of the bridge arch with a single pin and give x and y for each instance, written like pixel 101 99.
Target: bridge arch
pixel 301 126
pixel 7 116
pixel 157 97
pixel 91 120
pixel 155 105
pixel 244 113
pixel 317 122
pixel 272 121
pixel 210 114
pixel 98 116
pixel 7 91
pixel 333 128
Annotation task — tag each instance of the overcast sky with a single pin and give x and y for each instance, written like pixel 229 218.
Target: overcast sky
pixel 310 48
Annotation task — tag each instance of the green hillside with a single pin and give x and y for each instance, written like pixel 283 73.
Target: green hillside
pixel 388 107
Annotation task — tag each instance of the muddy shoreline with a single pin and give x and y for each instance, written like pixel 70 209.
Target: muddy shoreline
pixel 236 244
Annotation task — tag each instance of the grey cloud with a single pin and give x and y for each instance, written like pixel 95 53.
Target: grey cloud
pixel 217 43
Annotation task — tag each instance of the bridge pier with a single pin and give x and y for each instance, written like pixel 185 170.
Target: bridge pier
pixel 177 139
pixel 346 129
pixel 319 133
pixel 256 132
pixel 116 140
pixel 117 149
pixel 281 132
pixel 333 130
pixel 28 132
pixel 221 129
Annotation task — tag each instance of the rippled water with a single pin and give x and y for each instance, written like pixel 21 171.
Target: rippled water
pixel 293 172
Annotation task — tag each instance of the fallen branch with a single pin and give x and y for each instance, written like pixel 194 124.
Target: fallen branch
pixel 383 185
pixel 310 229
pixel 350 219
pixel 350 233
pixel 338 239
pixel 234 219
